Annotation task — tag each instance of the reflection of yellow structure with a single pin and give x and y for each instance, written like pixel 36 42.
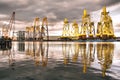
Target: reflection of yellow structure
pixel 75 51
pixel 85 52
pixel 87 55
pixel 105 27
pixel 39 53
pixel 105 55
pixel 91 53
pixel 66 52
pixel 84 57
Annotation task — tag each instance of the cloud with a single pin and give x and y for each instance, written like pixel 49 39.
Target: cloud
pixel 55 10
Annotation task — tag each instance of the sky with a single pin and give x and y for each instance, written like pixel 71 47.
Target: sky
pixel 56 11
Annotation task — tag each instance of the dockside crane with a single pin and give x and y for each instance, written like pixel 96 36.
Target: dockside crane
pixel 36 29
pixel 44 29
pixel 8 30
pixel 11 26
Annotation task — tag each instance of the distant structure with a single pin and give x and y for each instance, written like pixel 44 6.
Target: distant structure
pixel 21 46
pixel 66 28
pixel 75 30
pixel 37 31
pixel 105 27
pixel 21 35
pixel 8 29
pixel 87 29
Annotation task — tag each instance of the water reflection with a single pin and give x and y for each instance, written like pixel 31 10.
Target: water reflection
pixel 89 57
pixel 87 52
pixel 105 56
pixel 8 50
pixel 21 46
pixel 39 52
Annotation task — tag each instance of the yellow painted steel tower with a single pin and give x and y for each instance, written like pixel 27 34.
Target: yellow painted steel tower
pixel 75 30
pixel 87 27
pixel 66 34
pixel 105 27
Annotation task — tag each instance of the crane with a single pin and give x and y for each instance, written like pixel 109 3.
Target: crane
pixel 12 25
pixel 44 29
pixel 7 30
pixel 36 29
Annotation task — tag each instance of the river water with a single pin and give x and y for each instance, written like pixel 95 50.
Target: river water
pixel 60 61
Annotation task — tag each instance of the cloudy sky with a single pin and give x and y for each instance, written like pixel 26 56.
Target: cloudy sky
pixel 56 11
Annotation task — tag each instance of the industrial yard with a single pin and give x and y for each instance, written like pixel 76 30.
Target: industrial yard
pixel 59 40
pixel 85 31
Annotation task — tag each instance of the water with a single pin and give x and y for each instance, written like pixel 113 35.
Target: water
pixel 61 61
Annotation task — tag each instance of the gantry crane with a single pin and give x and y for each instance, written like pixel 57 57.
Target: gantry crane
pixel 106 30
pixel 36 29
pixel 87 27
pixel 8 30
pixel 44 29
